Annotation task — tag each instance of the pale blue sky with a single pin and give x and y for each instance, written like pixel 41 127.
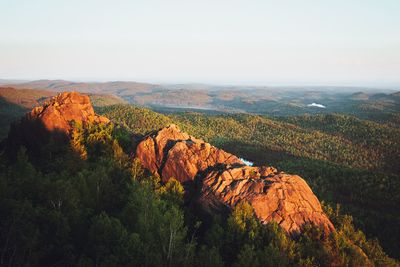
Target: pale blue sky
pixel 325 42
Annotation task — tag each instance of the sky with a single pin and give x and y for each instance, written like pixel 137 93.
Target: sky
pixel 265 42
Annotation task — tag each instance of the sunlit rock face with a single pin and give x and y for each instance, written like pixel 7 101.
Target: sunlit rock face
pixel 172 153
pixel 60 111
pixel 223 180
pixel 53 121
pixel 283 198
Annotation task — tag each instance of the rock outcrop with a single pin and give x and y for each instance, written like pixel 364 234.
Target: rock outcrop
pixel 283 198
pixel 172 153
pixel 59 112
pixel 54 120
pixel 223 180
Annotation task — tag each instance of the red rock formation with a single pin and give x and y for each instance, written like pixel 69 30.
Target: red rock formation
pixel 53 120
pixel 225 180
pixel 283 198
pixel 172 153
pixel 60 111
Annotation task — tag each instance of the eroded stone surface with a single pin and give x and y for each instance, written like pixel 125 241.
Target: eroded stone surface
pixel 59 112
pixel 225 180
pixel 283 198
pixel 172 153
pixel 54 120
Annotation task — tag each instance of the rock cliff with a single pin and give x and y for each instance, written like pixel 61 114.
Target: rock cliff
pixel 223 180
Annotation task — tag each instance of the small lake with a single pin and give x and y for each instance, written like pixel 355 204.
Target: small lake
pixel 247 162
pixel 316 105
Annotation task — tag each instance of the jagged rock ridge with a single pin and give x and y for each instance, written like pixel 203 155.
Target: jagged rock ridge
pixel 224 180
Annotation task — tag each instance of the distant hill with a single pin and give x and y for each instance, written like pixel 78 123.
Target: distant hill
pixel 26 98
pixel 122 89
pixel 366 103
pixel 102 100
pixel 9 81
pixel 397 94
pixel 360 96
pixel 15 102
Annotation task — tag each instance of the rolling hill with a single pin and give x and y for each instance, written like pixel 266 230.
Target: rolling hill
pixel 345 159
pixel 80 189
pixel 366 103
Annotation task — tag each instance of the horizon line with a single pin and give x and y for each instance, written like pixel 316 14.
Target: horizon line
pixel 4 81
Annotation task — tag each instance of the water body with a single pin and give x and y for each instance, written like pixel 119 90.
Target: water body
pixel 316 105
pixel 247 162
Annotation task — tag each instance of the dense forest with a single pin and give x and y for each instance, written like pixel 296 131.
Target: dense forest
pixel 89 202
pixel 346 160
pixel 103 209
pixel 200 133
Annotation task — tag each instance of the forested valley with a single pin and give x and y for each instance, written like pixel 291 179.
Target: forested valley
pixel 349 162
pixel 200 133
pixel 89 202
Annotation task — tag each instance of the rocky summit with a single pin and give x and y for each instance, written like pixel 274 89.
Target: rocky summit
pixel 54 120
pixel 172 153
pixel 60 111
pixel 222 180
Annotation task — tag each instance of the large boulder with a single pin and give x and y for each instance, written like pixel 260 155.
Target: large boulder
pixel 223 180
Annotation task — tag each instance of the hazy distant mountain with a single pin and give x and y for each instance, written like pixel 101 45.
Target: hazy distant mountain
pixel 360 96
pixel 7 81
pixel 26 98
pixel 397 94
pixel 88 87
pixel 275 101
